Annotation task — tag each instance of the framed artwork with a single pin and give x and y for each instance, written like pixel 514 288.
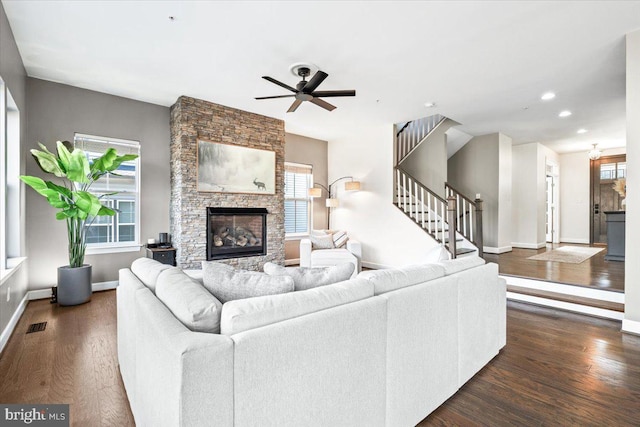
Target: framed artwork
pixel 225 168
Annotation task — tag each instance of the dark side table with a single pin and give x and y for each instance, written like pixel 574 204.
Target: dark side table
pixel 163 255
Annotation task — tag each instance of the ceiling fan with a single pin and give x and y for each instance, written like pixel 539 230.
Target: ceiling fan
pixel 306 90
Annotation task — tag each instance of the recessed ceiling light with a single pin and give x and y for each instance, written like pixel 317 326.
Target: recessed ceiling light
pixel 565 113
pixel 429 104
pixel 582 131
pixel 547 96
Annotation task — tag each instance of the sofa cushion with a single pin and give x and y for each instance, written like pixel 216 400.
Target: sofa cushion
pixel 148 270
pixel 396 278
pixel 307 278
pixel 251 313
pixel 189 301
pixel 195 274
pixel 453 266
pixel 228 284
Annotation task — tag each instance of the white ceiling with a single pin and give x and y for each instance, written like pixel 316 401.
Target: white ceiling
pixel 485 64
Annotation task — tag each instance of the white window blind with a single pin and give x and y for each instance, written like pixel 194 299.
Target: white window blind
pixel 297 204
pixel 122 229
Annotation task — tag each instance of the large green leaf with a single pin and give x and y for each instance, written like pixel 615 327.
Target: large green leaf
pixel 104 162
pixel 47 162
pixel 105 211
pixel 63 190
pixel 121 159
pixel 76 163
pixel 67 213
pixel 87 202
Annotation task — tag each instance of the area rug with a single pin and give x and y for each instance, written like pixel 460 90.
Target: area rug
pixel 568 254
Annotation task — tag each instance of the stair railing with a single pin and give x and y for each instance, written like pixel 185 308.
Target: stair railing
pixel 412 133
pixel 426 208
pixel 469 216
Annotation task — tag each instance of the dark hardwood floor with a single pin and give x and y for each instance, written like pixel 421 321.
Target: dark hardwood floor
pixel 558 369
pixel 72 361
pixel 594 272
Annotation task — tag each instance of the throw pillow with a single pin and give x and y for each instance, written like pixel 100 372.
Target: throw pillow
pixel 196 308
pixel 227 284
pixel 307 278
pixel 340 239
pixel 437 253
pixel 322 242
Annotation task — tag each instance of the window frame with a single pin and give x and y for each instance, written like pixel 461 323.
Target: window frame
pixel 116 246
pixel 308 199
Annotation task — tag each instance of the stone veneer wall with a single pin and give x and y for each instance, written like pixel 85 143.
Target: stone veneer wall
pixel 194 119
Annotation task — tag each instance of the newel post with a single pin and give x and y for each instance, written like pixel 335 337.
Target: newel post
pixel 478 241
pixel 451 219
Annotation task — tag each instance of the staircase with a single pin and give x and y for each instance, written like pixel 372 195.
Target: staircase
pixel 455 222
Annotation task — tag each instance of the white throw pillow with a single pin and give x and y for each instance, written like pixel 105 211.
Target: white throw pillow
pixel 196 308
pixel 228 284
pixel 437 253
pixel 322 242
pixel 310 277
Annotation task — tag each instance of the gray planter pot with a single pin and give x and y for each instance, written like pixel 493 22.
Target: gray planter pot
pixel 74 285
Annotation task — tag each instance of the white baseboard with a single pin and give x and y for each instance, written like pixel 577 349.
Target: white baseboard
pixel 631 326
pixel 577 308
pixel 375 266
pixel 571 240
pixel 6 334
pixel 294 261
pixel 499 250
pixel 529 245
pixel 95 287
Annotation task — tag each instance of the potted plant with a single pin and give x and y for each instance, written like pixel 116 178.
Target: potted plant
pixel 77 206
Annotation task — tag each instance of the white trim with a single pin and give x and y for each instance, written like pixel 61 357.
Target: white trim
pixel 294 261
pixel 529 245
pixel 499 250
pixel 6 334
pixel 631 326
pixel 12 267
pixel 577 308
pixel 375 266
pixel 561 288
pixel 572 240
pixel 95 287
pixel 93 250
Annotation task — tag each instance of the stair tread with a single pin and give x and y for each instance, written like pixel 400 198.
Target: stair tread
pixel 607 305
pixel 463 251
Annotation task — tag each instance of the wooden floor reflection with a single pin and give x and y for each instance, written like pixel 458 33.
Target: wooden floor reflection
pixel 594 272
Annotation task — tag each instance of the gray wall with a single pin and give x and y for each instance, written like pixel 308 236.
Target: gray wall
pixel 475 169
pixel 310 151
pixel 428 162
pixel 56 112
pixel 14 76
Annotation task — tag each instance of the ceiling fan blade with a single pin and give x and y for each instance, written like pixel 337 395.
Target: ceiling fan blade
pixel 323 104
pixel 277 96
pixel 294 106
pixel 315 82
pixel 332 93
pixel 274 81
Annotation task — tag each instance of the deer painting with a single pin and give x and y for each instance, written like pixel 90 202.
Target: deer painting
pixel 259 184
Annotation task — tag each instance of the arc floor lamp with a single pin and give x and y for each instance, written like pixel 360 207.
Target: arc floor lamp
pixel 332 200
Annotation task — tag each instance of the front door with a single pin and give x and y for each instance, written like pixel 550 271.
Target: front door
pixel 604 173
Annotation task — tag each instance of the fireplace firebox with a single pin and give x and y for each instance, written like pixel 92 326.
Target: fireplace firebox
pixel 236 232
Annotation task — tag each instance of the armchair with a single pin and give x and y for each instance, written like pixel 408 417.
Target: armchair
pixel 310 257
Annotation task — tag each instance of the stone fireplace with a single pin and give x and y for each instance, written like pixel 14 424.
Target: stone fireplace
pixel 193 120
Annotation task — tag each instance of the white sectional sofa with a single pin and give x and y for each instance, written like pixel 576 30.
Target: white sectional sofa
pixel 384 349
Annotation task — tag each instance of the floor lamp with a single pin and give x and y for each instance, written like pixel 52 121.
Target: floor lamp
pixel 332 201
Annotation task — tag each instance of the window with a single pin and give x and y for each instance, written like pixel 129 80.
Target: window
pixel 122 230
pixel 297 203
pixel 613 170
